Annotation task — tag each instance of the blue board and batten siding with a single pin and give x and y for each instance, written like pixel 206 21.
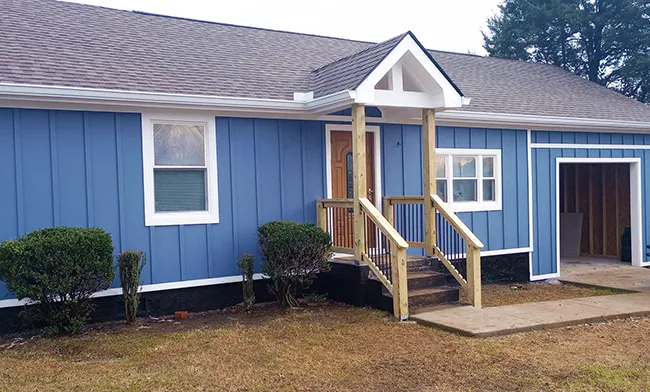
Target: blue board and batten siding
pixel 78 168
pixel 543 158
pixel 505 229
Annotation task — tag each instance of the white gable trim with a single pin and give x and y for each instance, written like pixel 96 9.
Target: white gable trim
pixel 367 94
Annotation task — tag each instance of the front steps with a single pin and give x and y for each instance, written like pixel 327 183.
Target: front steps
pixel 427 285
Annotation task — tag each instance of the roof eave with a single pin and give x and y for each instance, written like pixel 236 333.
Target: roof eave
pixel 536 122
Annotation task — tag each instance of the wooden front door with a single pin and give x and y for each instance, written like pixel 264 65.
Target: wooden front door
pixel 342 183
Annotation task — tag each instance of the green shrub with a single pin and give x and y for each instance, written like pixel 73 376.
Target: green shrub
pixel 293 255
pixel 131 263
pixel 247 265
pixel 58 269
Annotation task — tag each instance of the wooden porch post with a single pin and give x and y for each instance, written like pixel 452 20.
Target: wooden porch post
pixel 429 172
pixel 360 186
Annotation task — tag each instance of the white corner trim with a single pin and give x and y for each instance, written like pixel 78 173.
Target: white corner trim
pixel 7 303
pixel 153 218
pixel 531 227
pixel 377 151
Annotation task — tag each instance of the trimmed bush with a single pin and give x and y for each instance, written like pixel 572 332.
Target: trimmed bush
pixel 293 255
pixel 131 263
pixel 58 269
pixel 246 264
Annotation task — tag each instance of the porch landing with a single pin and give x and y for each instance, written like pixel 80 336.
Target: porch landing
pixel 504 320
pixel 603 272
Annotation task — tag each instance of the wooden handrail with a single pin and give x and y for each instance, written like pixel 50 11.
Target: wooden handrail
pixel 405 199
pixel 456 222
pixel 329 203
pixel 382 223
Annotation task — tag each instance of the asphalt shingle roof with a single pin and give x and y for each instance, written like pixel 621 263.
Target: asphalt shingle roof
pixel 48 42
pixel 348 72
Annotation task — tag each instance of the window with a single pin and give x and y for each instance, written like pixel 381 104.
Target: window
pixel 179 161
pixel 469 179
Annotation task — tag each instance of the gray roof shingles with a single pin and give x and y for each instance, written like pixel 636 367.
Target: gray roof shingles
pixel 347 73
pixel 48 42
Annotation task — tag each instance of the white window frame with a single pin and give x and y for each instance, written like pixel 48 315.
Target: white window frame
pixel 478 154
pixel 153 218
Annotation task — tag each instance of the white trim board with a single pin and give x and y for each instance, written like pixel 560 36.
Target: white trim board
pixel 531 228
pixel 7 303
pixel 377 151
pixel 13 95
pixel 636 205
pixel 479 205
pixel 209 216
pixel 591 146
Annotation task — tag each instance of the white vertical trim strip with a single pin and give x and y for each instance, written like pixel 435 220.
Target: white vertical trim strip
pixel 636 214
pixel 531 228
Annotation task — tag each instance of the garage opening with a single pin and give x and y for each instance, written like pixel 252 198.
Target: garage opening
pixel 595 214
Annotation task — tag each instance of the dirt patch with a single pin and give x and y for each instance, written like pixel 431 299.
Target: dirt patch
pixel 510 294
pixel 328 347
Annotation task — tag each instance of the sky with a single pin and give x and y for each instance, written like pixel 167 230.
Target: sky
pixel 451 25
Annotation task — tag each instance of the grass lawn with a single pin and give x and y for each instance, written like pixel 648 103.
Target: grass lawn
pixel 326 347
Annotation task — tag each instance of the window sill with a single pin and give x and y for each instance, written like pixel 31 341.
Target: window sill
pixel 182 218
pixel 475 206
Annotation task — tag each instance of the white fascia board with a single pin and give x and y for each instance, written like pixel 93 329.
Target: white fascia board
pixel 143 99
pixel 121 98
pixel 524 121
pixel 332 102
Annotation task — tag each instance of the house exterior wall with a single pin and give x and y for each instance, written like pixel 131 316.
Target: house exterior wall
pixel 79 168
pixel 85 169
pixel 506 229
pixel 547 147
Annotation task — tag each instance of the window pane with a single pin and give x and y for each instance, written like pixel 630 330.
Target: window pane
pixel 441 189
pixel 488 167
pixel 441 167
pixel 179 145
pixel 489 191
pixel 464 167
pixel 179 190
pixel 465 190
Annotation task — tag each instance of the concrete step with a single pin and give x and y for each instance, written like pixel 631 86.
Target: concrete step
pixel 433 296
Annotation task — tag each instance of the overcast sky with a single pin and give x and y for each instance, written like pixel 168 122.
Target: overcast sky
pixel 453 25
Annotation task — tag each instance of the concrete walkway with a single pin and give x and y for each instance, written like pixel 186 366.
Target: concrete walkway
pixel 503 320
pixel 605 273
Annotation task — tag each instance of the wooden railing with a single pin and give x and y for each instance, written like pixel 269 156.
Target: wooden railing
pixel 455 241
pixel 336 217
pixel 385 254
pixel 451 240
pixel 384 249
pixel 406 214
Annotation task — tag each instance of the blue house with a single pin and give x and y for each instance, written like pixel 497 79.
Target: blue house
pixel 180 137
